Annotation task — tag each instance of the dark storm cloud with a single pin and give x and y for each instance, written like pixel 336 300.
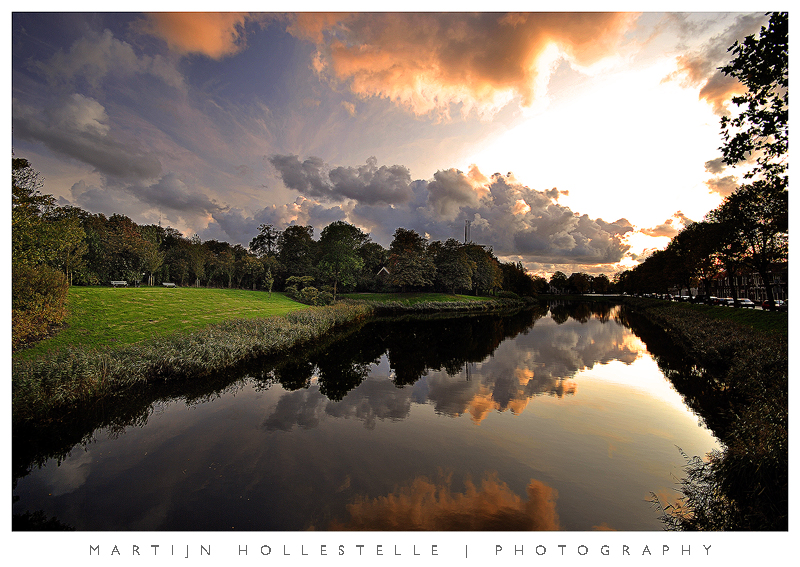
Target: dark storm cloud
pixel 367 184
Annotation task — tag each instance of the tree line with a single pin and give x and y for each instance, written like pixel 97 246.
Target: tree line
pixel 748 232
pixel 55 246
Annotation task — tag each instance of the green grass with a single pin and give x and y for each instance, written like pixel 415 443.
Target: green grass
pixel 413 298
pixel 101 317
pixel 756 319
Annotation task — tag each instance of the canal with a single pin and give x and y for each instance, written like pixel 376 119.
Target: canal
pixel 554 418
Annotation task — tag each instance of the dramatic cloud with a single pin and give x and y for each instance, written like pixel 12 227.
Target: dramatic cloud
pixel 665 229
pixel 723 186
pixel 701 68
pixel 370 402
pixel 215 35
pixel 669 227
pixel 77 127
pixel 715 165
pixel 96 56
pixel 428 505
pixel 427 62
pixel 513 219
pixel 450 190
pixel 171 192
pixel 367 184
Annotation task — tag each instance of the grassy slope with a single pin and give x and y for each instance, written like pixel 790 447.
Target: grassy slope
pixel 758 320
pixel 100 316
pixel 413 298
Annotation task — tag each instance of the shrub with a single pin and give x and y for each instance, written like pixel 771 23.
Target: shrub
pixel 308 295
pixel 507 295
pixel 38 297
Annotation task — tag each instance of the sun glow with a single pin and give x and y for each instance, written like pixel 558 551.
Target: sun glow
pixel 620 148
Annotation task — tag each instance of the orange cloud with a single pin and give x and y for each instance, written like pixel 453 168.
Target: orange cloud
pixel 215 35
pixel 425 505
pixel 717 89
pixel 723 186
pixel 428 61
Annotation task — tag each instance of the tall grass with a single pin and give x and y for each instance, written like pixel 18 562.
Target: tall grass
pixel 745 486
pixel 77 372
pixel 73 375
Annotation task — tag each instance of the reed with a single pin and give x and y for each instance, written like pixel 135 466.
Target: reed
pixel 745 369
pixel 73 376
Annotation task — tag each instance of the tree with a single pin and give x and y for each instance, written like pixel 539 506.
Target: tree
pixel 374 257
pixel 268 280
pixel 487 275
pixel 579 281
pixel 761 128
pixel 410 265
pixel 250 266
pixel 38 291
pixel 454 267
pixel 152 255
pixel 124 248
pixel 265 242
pixel 32 237
pixel 338 253
pixel 295 250
pixel 197 259
pixel 601 283
pixel 516 279
pixel 559 281
pixel 756 214
pixel 69 249
pixel 754 226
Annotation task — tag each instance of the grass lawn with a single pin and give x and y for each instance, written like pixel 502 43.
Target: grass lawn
pixel 102 316
pixel 765 321
pixel 413 297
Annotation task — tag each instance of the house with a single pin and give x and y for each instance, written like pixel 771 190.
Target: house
pixel 751 285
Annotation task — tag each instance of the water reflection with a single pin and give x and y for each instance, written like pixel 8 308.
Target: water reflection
pixel 428 505
pixel 460 366
pixel 348 435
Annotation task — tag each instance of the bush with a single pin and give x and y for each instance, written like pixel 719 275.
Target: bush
pixel 507 295
pixel 38 297
pixel 308 295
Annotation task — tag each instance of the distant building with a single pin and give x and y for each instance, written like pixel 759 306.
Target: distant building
pixel 751 285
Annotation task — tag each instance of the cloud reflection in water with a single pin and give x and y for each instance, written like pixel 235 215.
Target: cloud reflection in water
pixel 429 505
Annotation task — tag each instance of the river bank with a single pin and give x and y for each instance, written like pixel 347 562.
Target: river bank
pixel 736 378
pixel 44 386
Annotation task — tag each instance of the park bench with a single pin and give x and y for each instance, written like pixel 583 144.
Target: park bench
pixel 119 284
pixel 168 284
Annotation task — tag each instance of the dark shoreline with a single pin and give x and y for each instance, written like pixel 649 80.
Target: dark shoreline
pixel 736 379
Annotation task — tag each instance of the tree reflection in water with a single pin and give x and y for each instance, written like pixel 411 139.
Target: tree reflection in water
pixel 380 370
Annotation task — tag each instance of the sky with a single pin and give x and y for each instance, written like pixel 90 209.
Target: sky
pixel 569 141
